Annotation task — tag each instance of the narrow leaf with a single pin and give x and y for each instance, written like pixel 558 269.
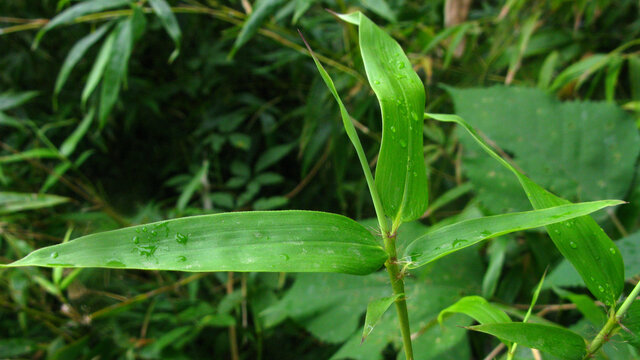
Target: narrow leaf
pixel 170 24
pixel 261 11
pixel 477 308
pixel 551 339
pixel 12 99
pixel 116 68
pixel 401 176
pixel 39 153
pixel 581 241
pixel 97 70
pixel 192 186
pixel 69 145
pixel 76 53
pixel 375 310
pixel 585 305
pixel 274 241
pixel 445 240
pixel 631 323
pixel 83 8
pixel 11 202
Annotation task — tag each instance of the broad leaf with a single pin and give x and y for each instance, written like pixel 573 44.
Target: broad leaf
pixel 438 243
pixel 80 9
pixel 261 11
pixel 581 240
pixel 169 22
pixel 278 241
pixel 75 54
pixel 11 202
pixel 375 310
pixel 551 339
pixel 401 177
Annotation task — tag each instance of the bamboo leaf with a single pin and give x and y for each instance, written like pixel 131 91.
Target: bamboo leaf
pixel 631 322
pixel 83 8
pixel 261 11
pixel 97 70
pixel 75 54
pixel 477 308
pixel 69 145
pixel 116 68
pixel 170 24
pixel 401 176
pixel 193 185
pixel 581 241
pixel 445 240
pixel 39 153
pixel 275 241
pixel 11 202
pixel 551 339
pixel 12 99
pixel 375 310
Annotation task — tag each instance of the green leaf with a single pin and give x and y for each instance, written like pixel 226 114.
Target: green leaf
pixel 585 305
pixel 261 11
pixel 613 70
pixel 170 24
pixel 272 156
pixel 301 7
pixel 83 8
pixel 39 153
pixel 75 54
pixel 631 322
pixel 497 250
pixel 277 241
pixel 580 240
pixel 11 202
pixel 551 339
pixel 547 69
pixel 375 310
pixel 270 203
pixel 445 240
pixel 380 8
pixel 69 145
pixel 116 68
pixel 634 76
pixel 580 70
pixel 477 308
pixel 10 99
pixel 193 185
pixel 401 176
pixel 99 65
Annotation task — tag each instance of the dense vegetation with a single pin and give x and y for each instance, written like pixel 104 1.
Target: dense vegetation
pixel 224 110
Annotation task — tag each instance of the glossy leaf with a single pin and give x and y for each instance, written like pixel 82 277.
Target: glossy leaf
pixel 581 240
pixel 375 310
pixel 278 241
pixel 261 11
pixel 11 202
pixel 80 9
pixel 75 54
pixel 477 308
pixel 116 68
pixel 551 339
pixel 401 177
pixel 445 240
pixel 170 23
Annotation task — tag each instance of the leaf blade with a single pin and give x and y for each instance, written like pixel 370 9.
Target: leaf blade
pixel 269 241
pixel 451 238
pixel 170 24
pixel 375 310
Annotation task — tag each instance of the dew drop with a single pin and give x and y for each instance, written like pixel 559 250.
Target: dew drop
pixel 377 82
pixel 182 239
pixel 285 257
pixel 136 240
pixel 459 242
pixel 415 174
pixel 403 144
pixel 601 288
pixel 54 254
pixel 154 233
pixel 612 250
pixel 182 258
pixel 573 245
pixel 400 65
pixel 393 129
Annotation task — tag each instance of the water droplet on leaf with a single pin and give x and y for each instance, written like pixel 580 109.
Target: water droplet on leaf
pixel 54 254
pixel 573 245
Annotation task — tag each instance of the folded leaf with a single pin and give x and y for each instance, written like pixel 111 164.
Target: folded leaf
pixel 551 339
pixel 401 176
pixel 276 241
pixel 581 241
pixel 375 310
pixel 445 240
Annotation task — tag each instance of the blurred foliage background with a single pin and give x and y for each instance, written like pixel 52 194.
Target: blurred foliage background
pixel 103 126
